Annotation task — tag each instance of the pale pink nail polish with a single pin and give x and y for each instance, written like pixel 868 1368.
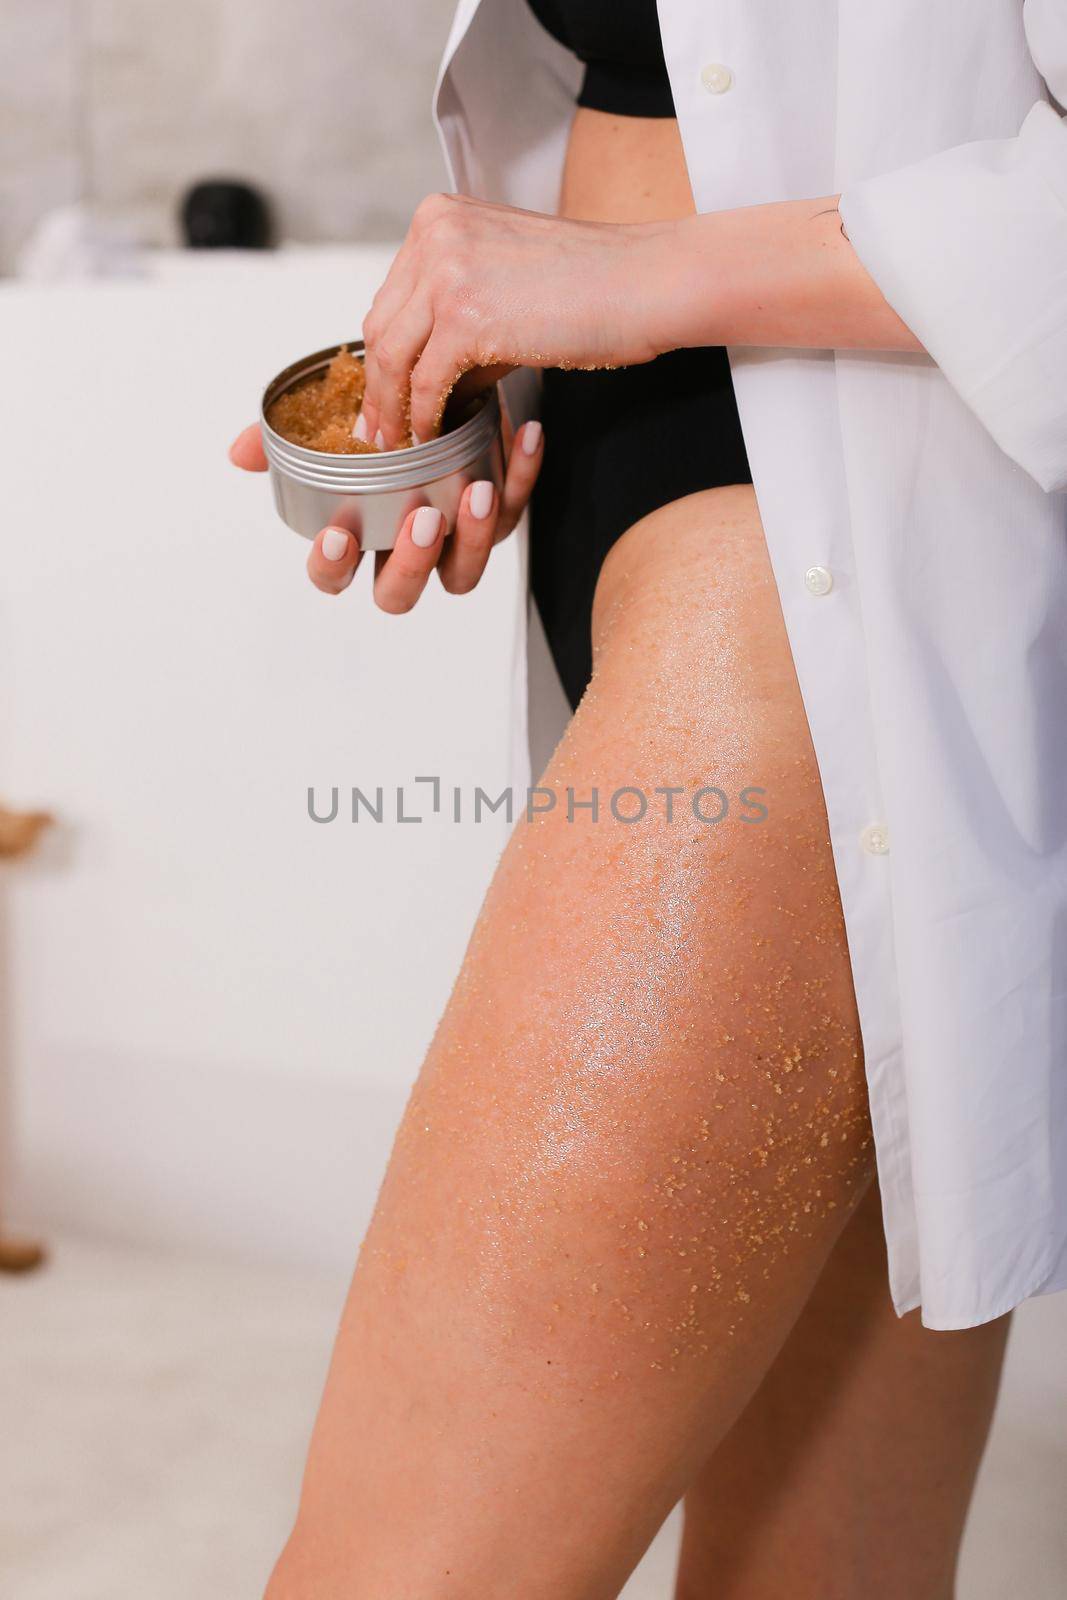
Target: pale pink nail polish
pixel 359 429
pixel 334 543
pixel 425 526
pixel 379 439
pixel 481 499
pixel 531 438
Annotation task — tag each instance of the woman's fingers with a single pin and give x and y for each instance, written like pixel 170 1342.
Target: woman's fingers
pixel 438 365
pixel 388 304
pixel 401 576
pixel 396 354
pixel 524 463
pixel 333 560
pixel 467 551
pixel 484 519
pixel 246 451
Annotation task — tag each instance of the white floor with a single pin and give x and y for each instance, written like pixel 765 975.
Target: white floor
pixel 154 1411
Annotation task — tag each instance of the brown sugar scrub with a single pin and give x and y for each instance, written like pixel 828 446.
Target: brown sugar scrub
pixel 319 412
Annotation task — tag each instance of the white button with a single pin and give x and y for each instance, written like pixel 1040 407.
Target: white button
pixel 716 78
pixel 820 580
pixel 875 839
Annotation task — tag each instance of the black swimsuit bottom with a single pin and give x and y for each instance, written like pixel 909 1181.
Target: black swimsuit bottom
pixel 619 444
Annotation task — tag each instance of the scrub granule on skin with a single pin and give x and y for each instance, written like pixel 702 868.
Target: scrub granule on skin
pixel 320 411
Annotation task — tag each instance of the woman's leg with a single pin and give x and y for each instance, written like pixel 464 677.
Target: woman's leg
pixel 852 1468
pixel 640 1129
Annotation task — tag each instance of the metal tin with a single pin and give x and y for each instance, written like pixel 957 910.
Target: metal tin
pixel 371 494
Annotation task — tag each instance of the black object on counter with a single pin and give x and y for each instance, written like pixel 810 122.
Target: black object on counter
pixel 224 214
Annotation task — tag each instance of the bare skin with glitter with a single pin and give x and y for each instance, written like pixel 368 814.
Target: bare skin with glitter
pixel 640 1129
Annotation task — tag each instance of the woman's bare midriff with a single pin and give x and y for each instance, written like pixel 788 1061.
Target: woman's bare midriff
pixel 625 169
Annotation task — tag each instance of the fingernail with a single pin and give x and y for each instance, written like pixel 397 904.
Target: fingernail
pixel 415 438
pixel 425 527
pixel 481 498
pixel 359 429
pixel 531 438
pixel 379 440
pixel 334 543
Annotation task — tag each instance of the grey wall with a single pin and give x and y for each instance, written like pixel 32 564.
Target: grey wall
pixel 39 157
pixel 123 102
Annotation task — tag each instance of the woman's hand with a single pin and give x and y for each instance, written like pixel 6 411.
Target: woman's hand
pixel 480 286
pixel 476 285
pixel 482 289
pixel 400 574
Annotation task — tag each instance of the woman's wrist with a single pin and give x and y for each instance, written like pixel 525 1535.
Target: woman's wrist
pixel 782 274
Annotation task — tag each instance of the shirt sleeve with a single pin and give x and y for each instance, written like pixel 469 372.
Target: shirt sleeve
pixel 969 247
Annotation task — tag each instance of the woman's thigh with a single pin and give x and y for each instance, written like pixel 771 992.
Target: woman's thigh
pixel 640 1128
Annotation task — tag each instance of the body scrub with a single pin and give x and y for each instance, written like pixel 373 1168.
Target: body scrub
pixel 322 477
pixel 320 412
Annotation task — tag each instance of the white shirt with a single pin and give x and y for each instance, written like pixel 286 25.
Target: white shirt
pixel 917 540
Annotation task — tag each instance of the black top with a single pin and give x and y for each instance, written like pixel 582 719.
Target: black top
pixel 619 41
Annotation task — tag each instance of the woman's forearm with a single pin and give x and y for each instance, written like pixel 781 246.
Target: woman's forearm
pixel 477 285
pixel 778 274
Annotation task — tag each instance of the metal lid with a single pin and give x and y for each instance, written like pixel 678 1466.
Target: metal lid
pixel 379 470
